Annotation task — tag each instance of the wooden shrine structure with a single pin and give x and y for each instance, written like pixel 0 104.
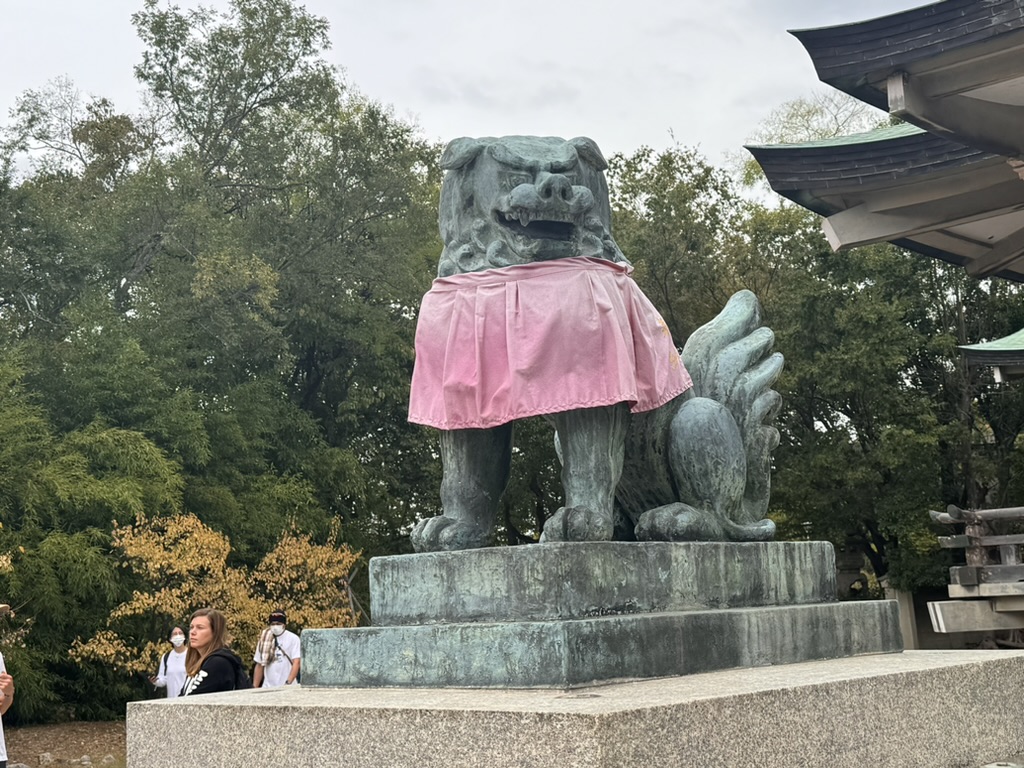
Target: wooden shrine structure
pixel 947 182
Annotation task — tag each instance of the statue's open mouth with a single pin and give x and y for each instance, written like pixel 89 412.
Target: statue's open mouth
pixel 523 224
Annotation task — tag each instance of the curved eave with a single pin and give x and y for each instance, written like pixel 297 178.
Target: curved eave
pixel 916 190
pixel 954 67
pixel 868 161
pixel 958 260
pixel 845 56
pixel 1008 350
pixel 993 359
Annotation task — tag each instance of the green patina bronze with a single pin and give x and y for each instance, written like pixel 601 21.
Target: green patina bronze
pixel 697 468
pixel 521 199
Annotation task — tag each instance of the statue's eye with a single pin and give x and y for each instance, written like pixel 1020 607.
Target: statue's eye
pixel 513 180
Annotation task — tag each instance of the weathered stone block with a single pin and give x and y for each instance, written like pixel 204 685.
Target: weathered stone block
pixel 568 581
pixel 581 651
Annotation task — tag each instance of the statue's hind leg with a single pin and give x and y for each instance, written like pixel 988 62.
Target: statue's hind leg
pixel 591 444
pixel 708 464
pixel 476 470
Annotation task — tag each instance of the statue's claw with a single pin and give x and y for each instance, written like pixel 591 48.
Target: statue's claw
pixel 441 534
pixel 578 524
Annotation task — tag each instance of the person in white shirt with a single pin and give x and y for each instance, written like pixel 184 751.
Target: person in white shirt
pixel 6 699
pixel 278 654
pixel 170 673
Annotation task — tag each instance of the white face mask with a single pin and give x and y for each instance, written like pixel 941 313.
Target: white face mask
pixel 277 629
pixel 177 640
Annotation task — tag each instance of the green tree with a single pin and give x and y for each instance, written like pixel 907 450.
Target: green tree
pixel 882 420
pixel 331 200
pixel 824 114
pixel 57 493
pixel 860 460
pixel 671 211
pixel 207 310
pixel 182 564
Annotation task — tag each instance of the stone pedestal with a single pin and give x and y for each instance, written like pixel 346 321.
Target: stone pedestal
pixel 569 615
pixel 519 657
pixel 940 709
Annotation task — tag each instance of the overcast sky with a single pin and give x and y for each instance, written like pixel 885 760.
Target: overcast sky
pixel 624 72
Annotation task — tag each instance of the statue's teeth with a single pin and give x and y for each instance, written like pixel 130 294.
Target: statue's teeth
pixel 524 218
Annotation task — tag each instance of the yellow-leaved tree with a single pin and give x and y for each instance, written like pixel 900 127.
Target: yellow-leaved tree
pixel 182 565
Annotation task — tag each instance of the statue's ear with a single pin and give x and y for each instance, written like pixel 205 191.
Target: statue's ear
pixel 459 152
pixel 589 151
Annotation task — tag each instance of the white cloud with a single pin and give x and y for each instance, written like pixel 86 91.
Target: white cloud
pixel 624 73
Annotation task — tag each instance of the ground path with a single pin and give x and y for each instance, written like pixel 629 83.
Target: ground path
pixel 66 741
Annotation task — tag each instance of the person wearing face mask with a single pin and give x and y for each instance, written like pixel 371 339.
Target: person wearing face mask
pixel 278 654
pixel 170 673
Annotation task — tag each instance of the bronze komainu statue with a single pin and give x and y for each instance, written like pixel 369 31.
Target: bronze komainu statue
pixel 534 313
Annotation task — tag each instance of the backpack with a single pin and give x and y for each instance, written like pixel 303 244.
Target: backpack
pixel 241 678
pixel 161 663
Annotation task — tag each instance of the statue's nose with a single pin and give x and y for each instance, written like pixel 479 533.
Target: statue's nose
pixel 554 186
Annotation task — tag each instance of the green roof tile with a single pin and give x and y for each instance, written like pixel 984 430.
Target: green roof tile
pixel 879 134
pixel 1012 343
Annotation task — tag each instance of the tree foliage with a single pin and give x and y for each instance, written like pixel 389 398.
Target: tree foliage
pixel 671 212
pixel 206 319
pixel 881 420
pixel 824 114
pixel 179 563
pixel 207 313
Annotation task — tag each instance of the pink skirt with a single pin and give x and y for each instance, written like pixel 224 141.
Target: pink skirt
pixel 531 339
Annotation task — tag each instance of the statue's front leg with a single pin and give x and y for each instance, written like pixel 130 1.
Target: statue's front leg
pixel 476 470
pixel 591 446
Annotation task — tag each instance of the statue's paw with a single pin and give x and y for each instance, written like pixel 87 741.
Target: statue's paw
pixel 442 534
pixel 678 522
pixel 578 524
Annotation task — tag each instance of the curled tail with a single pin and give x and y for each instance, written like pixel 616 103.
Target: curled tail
pixel 730 361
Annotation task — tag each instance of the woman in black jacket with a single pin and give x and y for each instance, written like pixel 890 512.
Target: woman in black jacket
pixel 210 666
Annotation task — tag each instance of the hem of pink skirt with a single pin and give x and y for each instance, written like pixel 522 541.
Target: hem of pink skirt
pixel 497 421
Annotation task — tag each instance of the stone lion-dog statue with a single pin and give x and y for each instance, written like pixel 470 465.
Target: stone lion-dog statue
pixel 534 313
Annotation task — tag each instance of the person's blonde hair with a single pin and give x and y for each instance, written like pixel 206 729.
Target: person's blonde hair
pixel 219 629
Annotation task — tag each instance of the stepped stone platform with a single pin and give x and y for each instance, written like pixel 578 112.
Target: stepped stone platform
pixel 605 655
pixel 569 615
pixel 940 709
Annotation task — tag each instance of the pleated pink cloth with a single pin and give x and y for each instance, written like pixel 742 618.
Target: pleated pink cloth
pixel 505 344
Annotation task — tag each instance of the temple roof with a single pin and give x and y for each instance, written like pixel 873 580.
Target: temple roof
pixel 953 186
pixel 1005 355
pixel 1012 344
pixel 954 67
pixel 912 188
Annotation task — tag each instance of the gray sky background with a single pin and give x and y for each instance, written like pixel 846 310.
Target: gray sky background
pixel 624 72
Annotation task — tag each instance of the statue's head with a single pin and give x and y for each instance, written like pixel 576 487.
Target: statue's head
pixel 518 199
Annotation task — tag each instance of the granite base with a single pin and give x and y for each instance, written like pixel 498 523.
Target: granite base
pixel 941 709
